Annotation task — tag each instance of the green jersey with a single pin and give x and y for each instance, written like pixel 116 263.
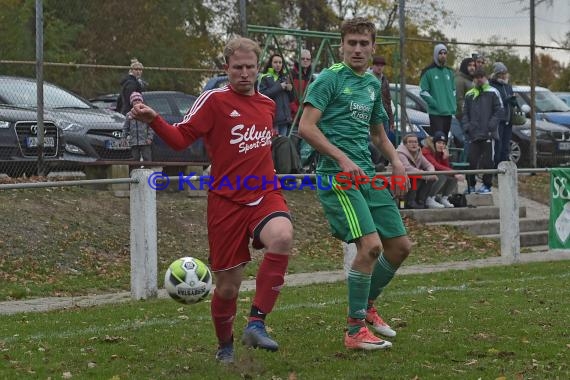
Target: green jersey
pixel 350 103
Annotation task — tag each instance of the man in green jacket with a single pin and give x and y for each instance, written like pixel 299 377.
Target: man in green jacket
pixel 437 88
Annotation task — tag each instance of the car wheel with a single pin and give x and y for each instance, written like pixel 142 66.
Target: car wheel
pixel 515 155
pixel 518 155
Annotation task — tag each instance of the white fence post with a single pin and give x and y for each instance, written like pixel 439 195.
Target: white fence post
pixel 509 212
pixel 143 237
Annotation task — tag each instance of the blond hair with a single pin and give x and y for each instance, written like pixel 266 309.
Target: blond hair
pixel 241 43
pixel 135 64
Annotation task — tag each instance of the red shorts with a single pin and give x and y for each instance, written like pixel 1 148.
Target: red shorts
pixel 231 225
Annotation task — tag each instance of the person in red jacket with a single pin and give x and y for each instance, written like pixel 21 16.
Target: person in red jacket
pixel 435 151
pixel 245 200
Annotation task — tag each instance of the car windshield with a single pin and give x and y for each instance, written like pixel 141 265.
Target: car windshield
pixel 546 101
pixel 23 93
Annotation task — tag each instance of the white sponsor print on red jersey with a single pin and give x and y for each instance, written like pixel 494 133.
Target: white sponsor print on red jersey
pixel 249 138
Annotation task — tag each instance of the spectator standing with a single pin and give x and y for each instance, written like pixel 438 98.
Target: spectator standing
pixel 225 118
pixel 437 88
pixel 500 80
pixel 301 78
pixel 410 154
pixel 275 83
pixel 130 83
pixel 138 135
pixel 342 111
pixel 479 61
pixel 463 83
pixel 378 64
pixel 435 151
pixel 481 113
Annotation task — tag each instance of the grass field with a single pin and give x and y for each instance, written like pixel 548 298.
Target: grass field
pixel 75 241
pixel 492 323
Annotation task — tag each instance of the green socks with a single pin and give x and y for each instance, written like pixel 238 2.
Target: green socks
pixel 358 290
pixel 382 274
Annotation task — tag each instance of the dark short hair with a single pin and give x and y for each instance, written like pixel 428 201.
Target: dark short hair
pixel 479 73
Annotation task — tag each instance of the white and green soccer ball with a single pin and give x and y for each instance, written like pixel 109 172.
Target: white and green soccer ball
pixel 188 280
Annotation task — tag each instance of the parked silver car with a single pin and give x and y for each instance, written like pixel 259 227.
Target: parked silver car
pixel 90 133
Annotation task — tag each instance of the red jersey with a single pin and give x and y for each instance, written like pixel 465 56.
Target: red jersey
pixel 237 130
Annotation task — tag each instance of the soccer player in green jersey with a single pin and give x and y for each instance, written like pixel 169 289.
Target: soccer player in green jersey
pixel 342 111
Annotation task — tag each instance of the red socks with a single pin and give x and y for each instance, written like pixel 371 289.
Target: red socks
pixel 223 314
pixel 270 279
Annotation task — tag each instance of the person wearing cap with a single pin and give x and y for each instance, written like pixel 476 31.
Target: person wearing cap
pixel 500 80
pixel 130 83
pixel 435 151
pixel 377 68
pixel 481 112
pixel 137 134
pixel 437 88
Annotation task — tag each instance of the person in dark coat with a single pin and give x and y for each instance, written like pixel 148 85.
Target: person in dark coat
pixel 481 112
pixel 500 80
pixel 131 83
pixel 275 84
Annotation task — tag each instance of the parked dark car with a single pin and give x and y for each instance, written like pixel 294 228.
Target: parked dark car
pixel 106 102
pixel 90 132
pixel 172 106
pixel 19 142
pixel 552 144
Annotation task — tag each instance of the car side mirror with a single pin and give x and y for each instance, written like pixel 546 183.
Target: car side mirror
pixel 525 108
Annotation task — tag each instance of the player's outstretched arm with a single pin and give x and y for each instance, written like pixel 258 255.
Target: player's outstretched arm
pixel 176 137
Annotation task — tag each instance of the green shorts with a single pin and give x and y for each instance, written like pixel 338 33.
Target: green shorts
pixel 353 213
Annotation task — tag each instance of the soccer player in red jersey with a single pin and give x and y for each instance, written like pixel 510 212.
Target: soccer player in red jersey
pixel 244 200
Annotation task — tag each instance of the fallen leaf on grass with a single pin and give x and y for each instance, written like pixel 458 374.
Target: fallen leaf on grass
pixel 113 339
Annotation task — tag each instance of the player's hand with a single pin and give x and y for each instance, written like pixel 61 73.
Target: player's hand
pixel 349 167
pixel 398 171
pixel 142 112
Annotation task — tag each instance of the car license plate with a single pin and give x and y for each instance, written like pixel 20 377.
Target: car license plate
pixel 115 145
pixel 32 142
pixel 564 146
